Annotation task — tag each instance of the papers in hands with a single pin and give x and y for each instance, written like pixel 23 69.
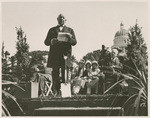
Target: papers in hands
pixel 63 36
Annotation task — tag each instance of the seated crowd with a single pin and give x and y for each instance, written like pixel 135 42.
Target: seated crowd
pixel 87 78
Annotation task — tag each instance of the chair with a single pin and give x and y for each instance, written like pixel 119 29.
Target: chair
pixel 49 82
pixel 46 83
pixel 49 86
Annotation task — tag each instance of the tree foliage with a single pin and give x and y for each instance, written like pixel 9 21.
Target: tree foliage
pixel 92 55
pixel 73 59
pixel 102 56
pixel 37 56
pixel 22 55
pixel 137 49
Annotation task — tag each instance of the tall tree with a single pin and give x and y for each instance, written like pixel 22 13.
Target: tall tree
pixel 22 55
pixel 137 49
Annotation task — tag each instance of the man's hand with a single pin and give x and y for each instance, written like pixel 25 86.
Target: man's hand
pixel 69 36
pixel 54 41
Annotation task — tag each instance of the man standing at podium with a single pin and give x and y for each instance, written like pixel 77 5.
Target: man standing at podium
pixel 59 49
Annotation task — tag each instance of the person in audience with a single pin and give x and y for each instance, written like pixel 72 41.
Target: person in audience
pixel 41 78
pixel 80 69
pixel 116 67
pixel 85 77
pixel 115 60
pixel 76 82
pixel 101 81
pixel 93 78
pixel 105 57
pixel 74 71
pixel 88 65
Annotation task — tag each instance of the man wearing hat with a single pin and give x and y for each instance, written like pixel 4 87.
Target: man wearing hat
pixel 59 49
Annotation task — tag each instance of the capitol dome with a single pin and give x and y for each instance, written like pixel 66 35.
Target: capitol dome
pixel 121 32
pixel 121 38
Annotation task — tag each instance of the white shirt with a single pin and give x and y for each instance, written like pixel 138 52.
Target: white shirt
pixel 61 27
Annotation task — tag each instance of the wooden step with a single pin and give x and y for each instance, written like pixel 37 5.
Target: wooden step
pixel 79 111
pixel 78 101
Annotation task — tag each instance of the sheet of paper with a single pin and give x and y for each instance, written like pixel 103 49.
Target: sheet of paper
pixel 63 36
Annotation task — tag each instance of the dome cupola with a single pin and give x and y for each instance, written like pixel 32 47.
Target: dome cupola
pixel 121 38
pixel 122 31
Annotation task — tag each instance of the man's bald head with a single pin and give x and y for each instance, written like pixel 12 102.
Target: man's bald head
pixel 61 19
pixel 60 16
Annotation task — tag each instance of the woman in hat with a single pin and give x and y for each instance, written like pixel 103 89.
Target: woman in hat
pixel 93 80
pixel 88 65
pixel 85 77
pixel 76 82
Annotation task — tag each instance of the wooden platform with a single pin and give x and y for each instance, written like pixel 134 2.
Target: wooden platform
pixel 94 105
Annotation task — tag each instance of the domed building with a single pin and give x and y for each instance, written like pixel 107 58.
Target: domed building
pixel 121 39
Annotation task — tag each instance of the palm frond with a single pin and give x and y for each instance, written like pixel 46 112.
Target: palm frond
pixel 5 82
pixel 140 81
pixel 131 97
pixel 137 101
pixel 143 93
pixel 129 67
pixel 5 110
pixel 136 67
pixel 140 72
pixel 13 98
pixel 143 100
pixel 126 77
pixel 113 86
pixel 136 88
pixel 144 97
pixel 144 78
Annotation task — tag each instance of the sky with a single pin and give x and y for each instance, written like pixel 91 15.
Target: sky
pixel 94 23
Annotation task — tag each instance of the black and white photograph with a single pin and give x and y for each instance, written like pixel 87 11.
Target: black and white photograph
pixel 74 58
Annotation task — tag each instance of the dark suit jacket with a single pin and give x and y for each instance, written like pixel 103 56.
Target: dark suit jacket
pixel 58 50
